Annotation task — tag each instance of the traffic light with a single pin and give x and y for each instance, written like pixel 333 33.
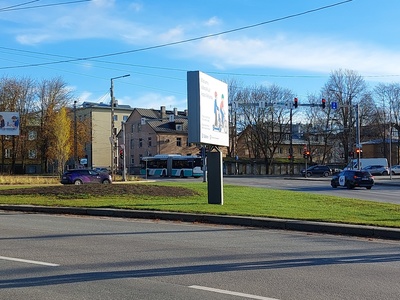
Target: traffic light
pixel 306 154
pixel 359 152
pixel 295 102
pixel 121 154
pixel 323 103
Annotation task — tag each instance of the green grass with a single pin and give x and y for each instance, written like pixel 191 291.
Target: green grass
pixel 238 200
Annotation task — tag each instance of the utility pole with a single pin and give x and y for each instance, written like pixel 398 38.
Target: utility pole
pixel 75 138
pixel 113 138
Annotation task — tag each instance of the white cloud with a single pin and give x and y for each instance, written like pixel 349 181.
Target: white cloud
pixel 311 54
pixel 213 21
pixel 155 100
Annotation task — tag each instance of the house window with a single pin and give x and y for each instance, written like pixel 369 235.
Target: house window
pixel 32 135
pixel 115 117
pixel 32 154
pixel 132 143
pixel 179 142
pixel 133 128
pixel 140 143
pixel 132 159
pixel 149 142
pixel 124 118
pixel 179 127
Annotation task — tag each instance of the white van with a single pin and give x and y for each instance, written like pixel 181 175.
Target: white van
pixel 364 162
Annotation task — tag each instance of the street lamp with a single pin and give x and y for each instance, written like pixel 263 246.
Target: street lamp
pixel 113 138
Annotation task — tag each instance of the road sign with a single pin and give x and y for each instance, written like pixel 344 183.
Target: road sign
pixel 334 105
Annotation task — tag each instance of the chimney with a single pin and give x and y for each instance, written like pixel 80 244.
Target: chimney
pixel 163 112
pixel 175 111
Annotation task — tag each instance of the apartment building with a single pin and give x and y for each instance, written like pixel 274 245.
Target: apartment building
pixel 150 131
pixel 98 148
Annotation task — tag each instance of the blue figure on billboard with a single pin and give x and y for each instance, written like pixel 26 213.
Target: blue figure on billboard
pixel 216 110
pixel 220 123
pixel 14 122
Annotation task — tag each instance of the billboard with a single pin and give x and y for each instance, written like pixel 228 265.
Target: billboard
pixel 9 123
pixel 207 109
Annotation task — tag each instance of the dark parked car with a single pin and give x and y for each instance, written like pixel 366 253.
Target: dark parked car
pixel 376 170
pixel 319 170
pixel 84 176
pixel 353 178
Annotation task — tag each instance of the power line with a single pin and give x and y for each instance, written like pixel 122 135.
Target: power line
pixel 179 42
pixel 17 7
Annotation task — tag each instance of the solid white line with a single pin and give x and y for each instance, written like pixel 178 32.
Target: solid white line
pixel 29 261
pixel 249 296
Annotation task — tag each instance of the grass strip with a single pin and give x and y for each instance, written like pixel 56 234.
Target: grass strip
pixel 238 200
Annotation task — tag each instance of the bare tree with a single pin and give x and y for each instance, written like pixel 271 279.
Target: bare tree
pixel 388 96
pixel 266 120
pixel 346 88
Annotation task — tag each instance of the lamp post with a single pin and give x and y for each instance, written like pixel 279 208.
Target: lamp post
pixel 113 138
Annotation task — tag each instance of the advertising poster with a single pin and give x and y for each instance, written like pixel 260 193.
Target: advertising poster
pixel 208 110
pixel 9 123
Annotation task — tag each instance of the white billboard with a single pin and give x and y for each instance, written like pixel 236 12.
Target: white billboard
pixel 9 123
pixel 207 109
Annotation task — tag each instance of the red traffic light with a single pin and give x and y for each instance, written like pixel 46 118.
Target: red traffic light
pixel 323 103
pixel 295 102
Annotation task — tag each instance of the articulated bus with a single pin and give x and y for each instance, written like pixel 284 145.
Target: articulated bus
pixel 171 165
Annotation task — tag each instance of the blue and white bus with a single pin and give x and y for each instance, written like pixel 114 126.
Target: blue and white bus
pixel 171 165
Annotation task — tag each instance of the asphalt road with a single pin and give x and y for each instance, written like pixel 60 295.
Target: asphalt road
pixel 384 190
pixel 67 257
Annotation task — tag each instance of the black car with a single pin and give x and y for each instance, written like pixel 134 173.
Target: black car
pixel 84 176
pixel 319 170
pixel 353 178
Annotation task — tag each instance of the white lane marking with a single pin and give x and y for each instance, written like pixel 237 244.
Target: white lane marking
pixel 249 296
pixel 29 261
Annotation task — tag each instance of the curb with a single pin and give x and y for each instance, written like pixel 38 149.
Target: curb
pixel 270 223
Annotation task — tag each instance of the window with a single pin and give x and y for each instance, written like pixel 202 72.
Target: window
pixel 140 143
pixel 149 142
pixel 32 135
pixel 124 118
pixel 132 159
pixel 179 142
pixel 115 117
pixel 32 154
pixel 7 153
pixel 132 143
pixel 132 128
pixel 179 127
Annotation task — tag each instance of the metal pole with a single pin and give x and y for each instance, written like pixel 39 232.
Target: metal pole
pixel 291 142
pixel 358 144
pixel 123 152
pixel 75 139
pixel 113 138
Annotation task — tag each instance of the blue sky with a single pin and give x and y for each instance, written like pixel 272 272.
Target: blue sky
pixel 297 47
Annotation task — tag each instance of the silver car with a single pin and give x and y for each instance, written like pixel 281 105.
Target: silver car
pixel 377 170
pixel 395 170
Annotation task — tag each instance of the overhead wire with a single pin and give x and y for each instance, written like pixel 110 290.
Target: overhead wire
pixel 181 41
pixel 17 7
